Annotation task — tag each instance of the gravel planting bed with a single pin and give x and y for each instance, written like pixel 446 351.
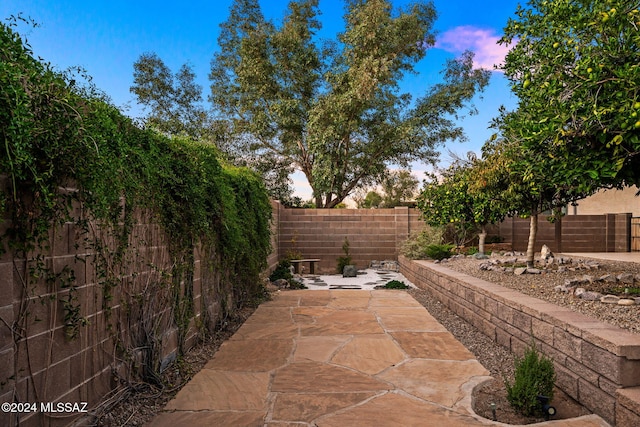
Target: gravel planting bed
pixel 542 286
pixel 498 360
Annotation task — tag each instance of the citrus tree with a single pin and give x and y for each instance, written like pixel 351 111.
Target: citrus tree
pixel 576 68
pixel 522 182
pixel 448 200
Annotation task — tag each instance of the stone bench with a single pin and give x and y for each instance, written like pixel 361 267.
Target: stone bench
pixel 312 264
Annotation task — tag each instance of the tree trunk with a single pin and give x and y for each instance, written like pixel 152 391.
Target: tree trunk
pixel 481 238
pixel 533 231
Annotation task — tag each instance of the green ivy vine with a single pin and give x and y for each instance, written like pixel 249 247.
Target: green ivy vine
pixel 64 146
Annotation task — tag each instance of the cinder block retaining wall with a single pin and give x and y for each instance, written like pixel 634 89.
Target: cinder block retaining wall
pixel 596 364
pixel 373 234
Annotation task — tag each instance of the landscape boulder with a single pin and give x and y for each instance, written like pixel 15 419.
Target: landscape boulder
pixel 349 271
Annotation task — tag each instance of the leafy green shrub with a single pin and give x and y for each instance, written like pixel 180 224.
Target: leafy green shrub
pixel 346 259
pixel 282 271
pixel 534 376
pixel 396 284
pixel 415 247
pixel 471 250
pixel 439 252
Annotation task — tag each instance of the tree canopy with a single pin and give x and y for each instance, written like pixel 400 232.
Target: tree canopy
pixel 452 198
pixel 174 99
pixel 333 109
pixel 576 69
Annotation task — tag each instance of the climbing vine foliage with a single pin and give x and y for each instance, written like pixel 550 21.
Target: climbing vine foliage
pixel 68 156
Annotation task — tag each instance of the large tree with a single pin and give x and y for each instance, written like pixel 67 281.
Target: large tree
pixel 334 110
pixel 576 71
pixel 398 186
pixel 174 103
pixel 174 100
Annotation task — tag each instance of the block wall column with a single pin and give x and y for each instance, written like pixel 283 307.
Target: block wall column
pixel 623 232
pixel 402 226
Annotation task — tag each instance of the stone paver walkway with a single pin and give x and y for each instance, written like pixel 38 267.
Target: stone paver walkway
pixel 337 358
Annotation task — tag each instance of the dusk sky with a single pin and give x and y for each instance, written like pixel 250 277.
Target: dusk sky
pixel 107 37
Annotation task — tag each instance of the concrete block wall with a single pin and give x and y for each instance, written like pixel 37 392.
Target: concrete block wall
pixel 373 234
pixel 596 364
pixel 39 364
pixel 574 233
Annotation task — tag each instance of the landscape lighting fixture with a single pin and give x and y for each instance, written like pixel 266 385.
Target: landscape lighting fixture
pixel 547 409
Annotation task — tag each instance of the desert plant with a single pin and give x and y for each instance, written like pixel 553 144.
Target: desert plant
pixel 415 246
pixel 346 259
pixel 439 252
pixel 534 376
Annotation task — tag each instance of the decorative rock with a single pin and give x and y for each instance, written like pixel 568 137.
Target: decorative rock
pixel 610 299
pixel 519 271
pixel 562 269
pixel 480 256
pixel 508 270
pixel 637 300
pixel 563 288
pixel 626 301
pixel 609 278
pixel 390 265
pixel 586 279
pixel 508 254
pixel 545 252
pixel 533 271
pixel 570 283
pixel 349 271
pixel 591 296
pixel 626 278
pixel 579 291
pixel 281 283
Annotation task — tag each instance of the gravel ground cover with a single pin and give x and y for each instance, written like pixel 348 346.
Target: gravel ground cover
pixel 542 286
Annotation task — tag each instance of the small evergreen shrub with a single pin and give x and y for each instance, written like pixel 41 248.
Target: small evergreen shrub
pixel 346 259
pixel 534 376
pixel 439 252
pixel 282 271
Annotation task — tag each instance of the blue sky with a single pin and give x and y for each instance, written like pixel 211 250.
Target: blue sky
pixel 106 38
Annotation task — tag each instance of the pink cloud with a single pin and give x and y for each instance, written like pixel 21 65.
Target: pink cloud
pixel 483 42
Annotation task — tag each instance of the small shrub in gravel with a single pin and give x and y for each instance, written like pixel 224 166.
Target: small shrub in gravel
pixel 534 376
pixel 415 246
pixel 439 252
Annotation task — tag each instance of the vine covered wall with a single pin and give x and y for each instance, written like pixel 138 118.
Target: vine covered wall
pixel 119 246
